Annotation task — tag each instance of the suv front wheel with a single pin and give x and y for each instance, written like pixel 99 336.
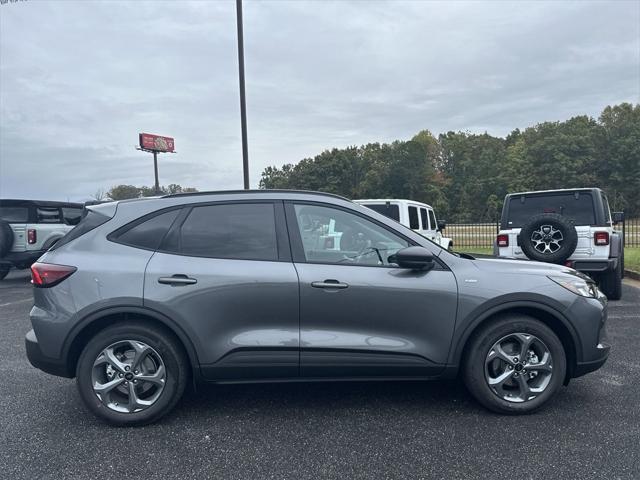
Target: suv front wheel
pixel 131 373
pixel 514 365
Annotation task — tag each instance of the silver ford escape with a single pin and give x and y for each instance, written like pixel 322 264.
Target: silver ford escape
pixel 144 296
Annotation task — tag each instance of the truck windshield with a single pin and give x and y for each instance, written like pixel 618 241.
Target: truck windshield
pixel 577 206
pixel 387 209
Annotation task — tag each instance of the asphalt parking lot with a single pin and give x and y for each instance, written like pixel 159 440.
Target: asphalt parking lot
pixel 336 430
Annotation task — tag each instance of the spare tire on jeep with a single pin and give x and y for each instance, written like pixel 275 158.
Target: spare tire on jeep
pixel 6 238
pixel 548 237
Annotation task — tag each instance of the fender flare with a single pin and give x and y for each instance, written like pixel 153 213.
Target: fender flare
pixel 457 350
pixel 167 322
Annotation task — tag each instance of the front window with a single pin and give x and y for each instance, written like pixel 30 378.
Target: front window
pixel 331 235
pixel 432 219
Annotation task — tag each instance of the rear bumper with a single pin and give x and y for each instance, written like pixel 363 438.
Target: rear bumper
pixel 53 366
pixel 21 259
pixel 595 265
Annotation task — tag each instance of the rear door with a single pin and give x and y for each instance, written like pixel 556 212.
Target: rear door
pixel 360 315
pixel 224 274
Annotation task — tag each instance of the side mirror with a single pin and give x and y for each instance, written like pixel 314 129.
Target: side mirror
pixel 415 258
pixel 618 217
pixel 441 225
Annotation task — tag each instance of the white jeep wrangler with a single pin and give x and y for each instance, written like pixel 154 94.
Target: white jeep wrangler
pixel 572 227
pixel 419 217
pixel 28 228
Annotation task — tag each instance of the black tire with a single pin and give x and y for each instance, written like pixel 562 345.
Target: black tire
pixel 611 282
pixel 168 349
pixel 547 224
pixel 473 369
pixel 6 238
pixel 4 271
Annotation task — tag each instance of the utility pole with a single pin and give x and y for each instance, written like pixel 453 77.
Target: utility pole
pixel 243 102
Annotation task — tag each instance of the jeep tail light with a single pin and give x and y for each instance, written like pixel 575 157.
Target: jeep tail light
pixel 503 240
pixel 48 274
pixel 601 238
pixel 32 237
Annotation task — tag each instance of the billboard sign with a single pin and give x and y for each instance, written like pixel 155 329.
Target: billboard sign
pixel 156 143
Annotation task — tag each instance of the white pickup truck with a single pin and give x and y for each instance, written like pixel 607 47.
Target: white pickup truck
pixel 29 227
pixel 419 217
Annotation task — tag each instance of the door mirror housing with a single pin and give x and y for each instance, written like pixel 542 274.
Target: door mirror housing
pixel 618 217
pixel 414 258
pixel 441 225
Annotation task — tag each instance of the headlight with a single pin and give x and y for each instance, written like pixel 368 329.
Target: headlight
pixel 577 286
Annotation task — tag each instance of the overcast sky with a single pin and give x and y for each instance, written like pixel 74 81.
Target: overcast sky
pixel 80 79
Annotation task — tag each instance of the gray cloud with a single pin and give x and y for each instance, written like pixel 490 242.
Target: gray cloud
pixel 79 80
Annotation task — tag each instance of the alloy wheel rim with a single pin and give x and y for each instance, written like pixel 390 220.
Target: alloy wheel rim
pixel 128 376
pixel 547 239
pixel 518 367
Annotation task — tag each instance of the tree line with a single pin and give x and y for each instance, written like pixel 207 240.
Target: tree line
pixel 465 176
pixel 125 192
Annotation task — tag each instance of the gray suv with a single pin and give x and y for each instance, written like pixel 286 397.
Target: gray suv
pixel 145 296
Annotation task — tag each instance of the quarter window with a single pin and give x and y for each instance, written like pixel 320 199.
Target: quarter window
pixel 241 231
pixel 48 215
pixel 331 235
pixel 149 233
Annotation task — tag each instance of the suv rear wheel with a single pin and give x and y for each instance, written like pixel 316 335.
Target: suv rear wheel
pixel 131 374
pixel 514 365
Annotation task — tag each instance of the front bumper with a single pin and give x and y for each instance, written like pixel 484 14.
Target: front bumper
pixel 53 366
pixel 582 368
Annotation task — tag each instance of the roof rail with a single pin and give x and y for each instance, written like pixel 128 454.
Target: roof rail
pixel 275 190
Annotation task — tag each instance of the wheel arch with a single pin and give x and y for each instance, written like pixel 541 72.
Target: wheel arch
pixel 547 315
pixel 97 321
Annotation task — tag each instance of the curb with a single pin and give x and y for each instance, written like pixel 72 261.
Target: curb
pixel 632 274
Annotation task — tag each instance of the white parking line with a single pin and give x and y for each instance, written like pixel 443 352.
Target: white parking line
pixel 16 302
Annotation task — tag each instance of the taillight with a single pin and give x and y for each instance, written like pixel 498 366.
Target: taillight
pixel 601 238
pixel 48 274
pixel 503 240
pixel 32 237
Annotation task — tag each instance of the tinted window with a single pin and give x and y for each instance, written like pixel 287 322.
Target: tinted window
pixel 432 219
pixel 388 210
pixel 90 221
pixel 14 214
pixel 331 235
pixel 149 233
pixel 576 207
pixel 607 211
pixel 241 231
pixel 414 224
pixel 71 215
pixel 423 218
pixel 48 215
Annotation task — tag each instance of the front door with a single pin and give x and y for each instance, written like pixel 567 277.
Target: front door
pixel 360 315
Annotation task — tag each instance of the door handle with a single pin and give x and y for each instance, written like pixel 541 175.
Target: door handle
pixel 329 284
pixel 177 279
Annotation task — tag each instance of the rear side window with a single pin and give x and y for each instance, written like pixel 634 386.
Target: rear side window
pixel 424 219
pixel 242 231
pixel 414 223
pixel 386 209
pixel 14 214
pixel 576 206
pixel 90 221
pixel 149 233
pixel 48 215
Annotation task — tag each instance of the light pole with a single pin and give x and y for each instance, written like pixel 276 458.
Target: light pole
pixel 243 102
